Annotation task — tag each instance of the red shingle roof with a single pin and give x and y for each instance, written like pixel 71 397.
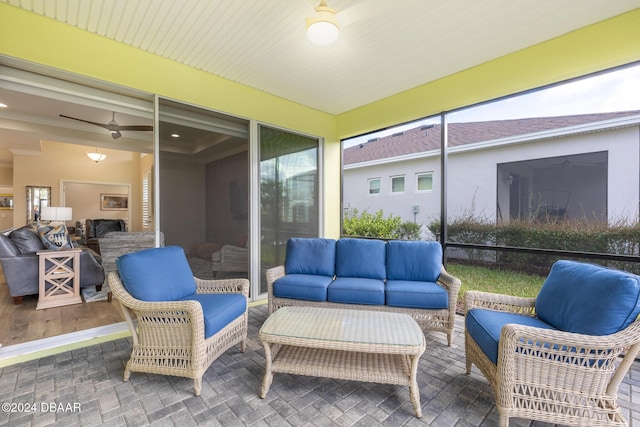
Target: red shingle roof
pixel 427 138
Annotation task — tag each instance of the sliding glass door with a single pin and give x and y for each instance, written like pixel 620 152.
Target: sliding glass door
pixel 289 196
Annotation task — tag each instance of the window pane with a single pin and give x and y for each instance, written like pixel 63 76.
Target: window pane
pixel 397 184
pixel 374 186
pixel 425 182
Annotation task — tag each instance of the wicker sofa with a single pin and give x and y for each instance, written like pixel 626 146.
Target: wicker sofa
pixel 370 274
pixel 556 358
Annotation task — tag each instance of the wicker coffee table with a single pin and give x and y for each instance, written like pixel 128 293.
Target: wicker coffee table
pixel 358 345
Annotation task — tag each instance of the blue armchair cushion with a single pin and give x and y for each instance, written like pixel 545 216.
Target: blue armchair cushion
pixel 414 294
pixel 314 256
pixel 361 258
pixel 157 274
pixel 352 290
pixel 485 327
pixel 414 260
pixel 302 286
pixel 588 299
pixel 218 309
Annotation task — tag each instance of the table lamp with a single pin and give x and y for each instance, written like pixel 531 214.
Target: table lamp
pixel 57 214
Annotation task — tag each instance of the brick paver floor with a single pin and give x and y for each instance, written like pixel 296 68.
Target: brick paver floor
pixel 84 387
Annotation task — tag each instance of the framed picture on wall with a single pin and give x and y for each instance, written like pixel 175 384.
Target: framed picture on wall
pixel 6 201
pixel 114 202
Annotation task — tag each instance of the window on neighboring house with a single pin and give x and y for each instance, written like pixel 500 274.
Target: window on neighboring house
pixel 374 186
pixel 397 184
pixel 424 181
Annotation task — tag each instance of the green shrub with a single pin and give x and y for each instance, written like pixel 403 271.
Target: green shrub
pixel 375 225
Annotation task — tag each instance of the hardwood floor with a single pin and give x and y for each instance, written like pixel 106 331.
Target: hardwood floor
pixel 23 323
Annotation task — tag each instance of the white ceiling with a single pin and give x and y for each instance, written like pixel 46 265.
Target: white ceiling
pixel 385 47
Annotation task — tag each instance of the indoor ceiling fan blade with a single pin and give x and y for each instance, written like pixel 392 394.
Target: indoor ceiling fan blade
pixel 135 127
pixel 102 125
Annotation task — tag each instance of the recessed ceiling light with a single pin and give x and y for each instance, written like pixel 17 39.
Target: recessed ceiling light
pixel 175 135
pixel 3 105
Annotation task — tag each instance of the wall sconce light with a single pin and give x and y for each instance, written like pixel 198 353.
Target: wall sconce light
pixel 96 156
pixel 323 28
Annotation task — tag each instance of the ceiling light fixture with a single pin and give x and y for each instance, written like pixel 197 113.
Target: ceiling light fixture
pixel 323 28
pixel 96 156
pixel 3 105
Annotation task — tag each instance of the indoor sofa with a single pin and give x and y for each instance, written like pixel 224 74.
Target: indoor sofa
pixel 399 275
pixel 90 230
pixel 21 266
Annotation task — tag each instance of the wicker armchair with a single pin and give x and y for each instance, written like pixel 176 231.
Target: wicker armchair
pixel 171 336
pixel 552 375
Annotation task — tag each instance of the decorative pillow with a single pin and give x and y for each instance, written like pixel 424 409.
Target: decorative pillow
pixel 55 237
pixel 81 231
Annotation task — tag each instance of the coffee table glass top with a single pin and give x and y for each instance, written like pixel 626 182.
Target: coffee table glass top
pixel 344 325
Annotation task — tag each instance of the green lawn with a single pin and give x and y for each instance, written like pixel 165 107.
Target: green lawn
pixel 494 280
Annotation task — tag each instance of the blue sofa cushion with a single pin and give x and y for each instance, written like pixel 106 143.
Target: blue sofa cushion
pixel 157 274
pixel 311 256
pixel 302 286
pixel 414 260
pixel 414 294
pixel 356 291
pixel 361 258
pixel 588 299
pixel 485 327
pixel 218 310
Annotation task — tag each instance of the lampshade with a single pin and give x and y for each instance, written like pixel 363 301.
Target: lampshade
pixel 96 156
pixel 58 213
pixel 323 28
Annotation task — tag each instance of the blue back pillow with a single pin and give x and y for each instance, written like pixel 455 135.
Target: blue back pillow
pixel 314 256
pixel 414 260
pixel 158 274
pixel 361 258
pixel 588 299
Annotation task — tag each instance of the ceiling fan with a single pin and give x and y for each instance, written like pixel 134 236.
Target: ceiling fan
pixel 113 127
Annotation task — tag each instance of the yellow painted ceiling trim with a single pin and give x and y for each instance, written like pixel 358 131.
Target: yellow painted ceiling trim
pixel 600 46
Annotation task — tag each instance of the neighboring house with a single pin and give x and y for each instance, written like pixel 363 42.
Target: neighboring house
pixel 579 166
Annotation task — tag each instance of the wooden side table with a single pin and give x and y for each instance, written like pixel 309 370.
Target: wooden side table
pixel 59 278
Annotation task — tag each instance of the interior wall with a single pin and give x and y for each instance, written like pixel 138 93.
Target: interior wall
pixel 182 205
pixel 67 162
pixel 6 187
pixel 227 184
pixel 84 198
